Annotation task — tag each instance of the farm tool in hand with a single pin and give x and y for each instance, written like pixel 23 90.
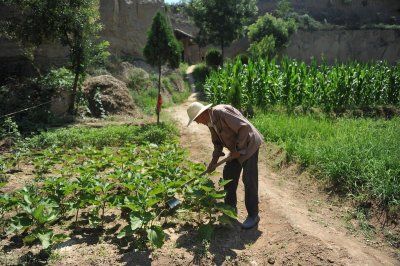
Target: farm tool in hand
pixel 172 203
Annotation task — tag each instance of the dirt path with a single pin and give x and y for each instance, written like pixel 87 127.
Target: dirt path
pixel 298 226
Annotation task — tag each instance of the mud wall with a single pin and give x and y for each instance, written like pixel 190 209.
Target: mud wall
pixel 343 12
pixel 346 45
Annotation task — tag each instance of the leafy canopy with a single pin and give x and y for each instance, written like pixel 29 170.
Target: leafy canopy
pixel 74 24
pixel 221 22
pixel 269 34
pixel 162 46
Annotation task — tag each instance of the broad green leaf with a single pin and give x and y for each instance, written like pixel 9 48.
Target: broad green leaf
pixel 156 191
pixel 206 189
pixel 224 182
pixel 126 231
pixel 27 199
pixel 59 238
pixel 39 215
pixel 29 238
pixel 156 236
pixel 45 238
pixel 217 195
pixel 152 201
pixel 226 209
pixel 135 223
pixel 19 222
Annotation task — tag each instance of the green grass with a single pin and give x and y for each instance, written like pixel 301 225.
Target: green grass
pixel 100 137
pixel 146 97
pixel 360 157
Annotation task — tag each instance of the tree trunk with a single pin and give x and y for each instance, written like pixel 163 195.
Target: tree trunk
pixel 71 109
pixel 159 93
pixel 222 51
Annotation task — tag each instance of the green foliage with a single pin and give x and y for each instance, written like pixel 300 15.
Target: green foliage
pixel 283 8
pixel 139 80
pixel 9 129
pixel 183 68
pixel 268 25
pixel 292 83
pixel 265 48
pixel 244 58
pixel 358 157
pixel 61 79
pixel 136 179
pixel 74 25
pixel 213 57
pixel 221 22
pixel 161 46
pixel 306 22
pixel 200 73
pixel 146 100
pixel 144 91
pixel 100 137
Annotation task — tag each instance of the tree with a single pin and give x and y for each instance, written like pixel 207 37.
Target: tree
pixel 161 48
pixel 72 23
pixel 269 34
pixel 222 21
pixel 283 8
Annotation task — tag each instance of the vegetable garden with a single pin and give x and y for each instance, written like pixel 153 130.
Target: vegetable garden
pixel 97 177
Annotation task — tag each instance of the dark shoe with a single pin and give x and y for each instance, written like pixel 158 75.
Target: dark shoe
pixel 250 222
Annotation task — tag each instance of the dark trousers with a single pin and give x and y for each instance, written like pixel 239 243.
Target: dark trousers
pixel 232 171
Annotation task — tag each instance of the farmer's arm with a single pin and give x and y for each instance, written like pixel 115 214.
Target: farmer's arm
pixel 242 130
pixel 218 147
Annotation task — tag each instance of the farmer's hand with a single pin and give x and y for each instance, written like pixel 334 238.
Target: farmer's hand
pixel 211 167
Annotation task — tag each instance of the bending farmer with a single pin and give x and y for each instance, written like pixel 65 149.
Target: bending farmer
pixel 230 129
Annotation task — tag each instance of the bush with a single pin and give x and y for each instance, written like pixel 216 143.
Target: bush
pixel 269 34
pixel 264 48
pixel 57 79
pixel 200 73
pixel 213 57
pixel 139 79
pixel 306 22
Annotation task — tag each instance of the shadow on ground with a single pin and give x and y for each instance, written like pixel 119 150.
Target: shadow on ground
pixel 224 245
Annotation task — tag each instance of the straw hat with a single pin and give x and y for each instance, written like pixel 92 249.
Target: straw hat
pixel 195 109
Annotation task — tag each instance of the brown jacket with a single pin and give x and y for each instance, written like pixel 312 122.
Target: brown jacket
pixel 230 129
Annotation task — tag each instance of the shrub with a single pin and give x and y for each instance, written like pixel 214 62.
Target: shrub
pixel 270 33
pixel 213 57
pixel 264 48
pixel 57 79
pixel 200 73
pixel 139 79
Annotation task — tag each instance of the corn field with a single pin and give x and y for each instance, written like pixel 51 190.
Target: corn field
pixel 265 83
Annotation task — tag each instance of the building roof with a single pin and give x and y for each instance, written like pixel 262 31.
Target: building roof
pixel 180 34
